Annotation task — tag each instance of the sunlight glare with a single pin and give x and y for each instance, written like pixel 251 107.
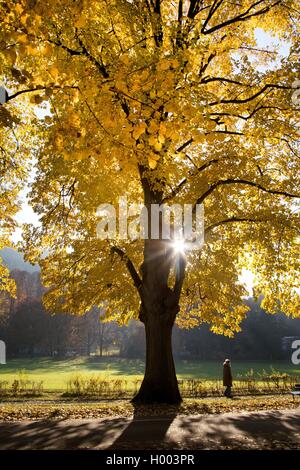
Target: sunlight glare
pixel 179 245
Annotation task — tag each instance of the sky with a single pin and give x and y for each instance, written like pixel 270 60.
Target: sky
pixel 263 40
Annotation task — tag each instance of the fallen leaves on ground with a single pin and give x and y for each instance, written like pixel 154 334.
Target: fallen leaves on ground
pixel 60 410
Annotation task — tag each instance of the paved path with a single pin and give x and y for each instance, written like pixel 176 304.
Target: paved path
pixel 262 429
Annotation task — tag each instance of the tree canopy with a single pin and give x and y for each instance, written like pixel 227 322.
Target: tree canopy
pixel 161 101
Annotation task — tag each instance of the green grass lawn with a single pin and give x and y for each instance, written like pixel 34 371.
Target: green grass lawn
pixel 56 373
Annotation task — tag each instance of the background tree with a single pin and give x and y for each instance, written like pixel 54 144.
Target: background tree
pixel 164 102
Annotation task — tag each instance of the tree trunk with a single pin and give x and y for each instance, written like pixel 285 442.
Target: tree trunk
pixel 100 338
pixel 159 305
pixel 160 382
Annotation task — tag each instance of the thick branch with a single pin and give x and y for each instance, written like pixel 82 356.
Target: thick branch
pixel 194 8
pixel 232 220
pixel 130 266
pixel 239 18
pixel 81 52
pixel 39 88
pixel 100 66
pixel 250 98
pixel 251 114
pixel 216 4
pixel 183 146
pixel 214 186
pixel 182 183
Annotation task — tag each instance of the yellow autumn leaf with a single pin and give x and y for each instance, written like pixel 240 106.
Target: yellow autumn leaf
pixel 54 72
pixel 24 19
pixel 46 49
pixel 163 65
pixel 161 138
pixel 158 146
pixel 22 38
pixel 152 163
pixel 32 50
pixel 19 8
pixel 153 127
pixel 139 130
pixel 74 119
pixel 152 140
pixel 162 128
pixel 81 22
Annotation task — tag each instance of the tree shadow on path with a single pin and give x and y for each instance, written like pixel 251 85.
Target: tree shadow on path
pixel 259 430
pixel 61 434
pixel 146 432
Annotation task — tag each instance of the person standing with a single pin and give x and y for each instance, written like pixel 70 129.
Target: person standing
pixel 227 378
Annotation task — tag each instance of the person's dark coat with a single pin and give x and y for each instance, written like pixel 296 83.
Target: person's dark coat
pixel 227 376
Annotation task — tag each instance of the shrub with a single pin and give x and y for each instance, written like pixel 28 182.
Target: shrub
pixel 21 385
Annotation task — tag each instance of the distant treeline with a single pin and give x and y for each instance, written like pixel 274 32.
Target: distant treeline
pixel 29 330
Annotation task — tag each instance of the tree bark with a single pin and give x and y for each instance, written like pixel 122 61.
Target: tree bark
pixel 160 382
